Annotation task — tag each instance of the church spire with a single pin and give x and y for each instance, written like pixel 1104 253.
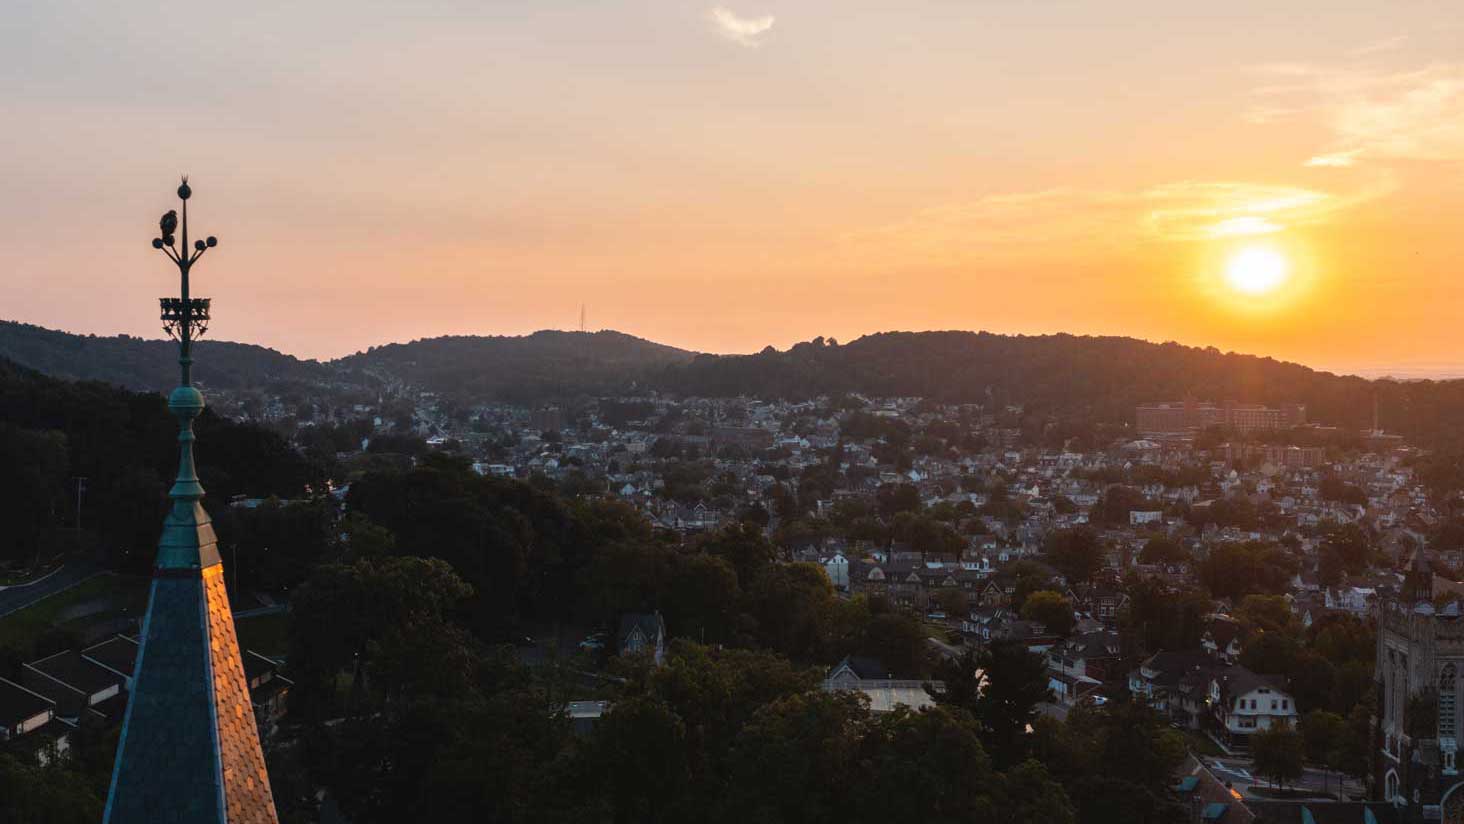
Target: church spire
pixel 189 750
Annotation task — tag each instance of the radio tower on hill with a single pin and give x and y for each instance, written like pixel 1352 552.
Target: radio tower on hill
pixel 189 750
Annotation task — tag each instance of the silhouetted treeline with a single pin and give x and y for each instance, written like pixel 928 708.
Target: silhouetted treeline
pixel 124 444
pixel 1098 380
pixel 150 364
pixel 1101 378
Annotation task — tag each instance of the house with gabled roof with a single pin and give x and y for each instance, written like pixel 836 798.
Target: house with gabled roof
pixel 884 689
pixel 1246 702
pixel 643 633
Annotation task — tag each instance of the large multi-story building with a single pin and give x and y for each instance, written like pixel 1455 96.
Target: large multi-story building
pixel 1291 457
pixel 1420 657
pixel 1178 417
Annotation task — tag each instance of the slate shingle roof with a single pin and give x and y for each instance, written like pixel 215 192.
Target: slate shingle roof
pixel 190 748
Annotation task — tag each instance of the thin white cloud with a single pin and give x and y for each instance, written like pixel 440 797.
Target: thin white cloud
pixel 1049 221
pixel 744 31
pixel 1387 44
pixel 1415 115
pixel 1335 160
pixel 1203 210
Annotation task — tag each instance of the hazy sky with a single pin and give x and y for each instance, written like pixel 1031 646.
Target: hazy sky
pixel 725 176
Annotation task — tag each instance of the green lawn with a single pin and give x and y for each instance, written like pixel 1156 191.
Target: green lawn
pixel 268 635
pixel 111 596
pixel 1201 744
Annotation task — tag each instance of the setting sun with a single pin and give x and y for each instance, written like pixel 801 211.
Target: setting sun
pixel 1256 270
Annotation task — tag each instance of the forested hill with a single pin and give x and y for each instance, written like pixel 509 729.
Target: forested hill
pixel 545 364
pixel 125 445
pixel 150 365
pixel 1100 377
pixel 541 366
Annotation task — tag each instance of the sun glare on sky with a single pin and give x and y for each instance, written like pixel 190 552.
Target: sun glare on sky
pixel 1257 270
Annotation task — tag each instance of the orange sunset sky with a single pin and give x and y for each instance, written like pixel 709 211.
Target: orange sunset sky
pixel 1277 178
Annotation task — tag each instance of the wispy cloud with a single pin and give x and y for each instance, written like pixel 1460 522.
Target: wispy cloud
pixel 1335 160
pixel 1387 44
pixel 1050 221
pixel 1372 113
pixel 1195 210
pixel 744 31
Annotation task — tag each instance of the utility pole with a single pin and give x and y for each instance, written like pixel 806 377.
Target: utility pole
pixel 80 490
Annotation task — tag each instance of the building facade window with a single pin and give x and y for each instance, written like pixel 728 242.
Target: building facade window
pixel 1447 701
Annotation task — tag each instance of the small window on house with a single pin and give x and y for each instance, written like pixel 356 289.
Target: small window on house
pixel 1273 703
pixel 1285 704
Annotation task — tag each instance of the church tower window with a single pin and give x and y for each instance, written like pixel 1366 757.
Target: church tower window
pixel 1447 701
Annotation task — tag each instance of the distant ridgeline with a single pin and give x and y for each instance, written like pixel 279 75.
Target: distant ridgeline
pixel 1100 378
pixel 544 365
pixel 149 365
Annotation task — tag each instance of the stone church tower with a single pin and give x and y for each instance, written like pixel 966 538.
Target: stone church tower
pixel 190 749
pixel 1420 658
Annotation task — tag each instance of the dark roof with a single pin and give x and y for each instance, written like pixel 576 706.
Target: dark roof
pixel 190 747
pixel 1222 632
pixel 1100 643
pixel 256 665
pixel 76 672
pixel 167 760
pixel 118 653
pixel 1237 681
pixel 1178 662
pixel 649 623
pixel 18 703
pixel 1207 793
pixel 111 709
pixel 864 666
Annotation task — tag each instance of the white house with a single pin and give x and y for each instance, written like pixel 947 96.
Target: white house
pixel 837 568
pixel 1245 703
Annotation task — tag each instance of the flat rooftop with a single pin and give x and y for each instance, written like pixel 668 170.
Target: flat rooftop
pixel 76 672
pixel 118 653
pixel 18 703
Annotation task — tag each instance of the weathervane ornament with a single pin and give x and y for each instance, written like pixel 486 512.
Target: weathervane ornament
pixel 184 318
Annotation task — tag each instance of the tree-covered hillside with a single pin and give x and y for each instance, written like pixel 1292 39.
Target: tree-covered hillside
pixel 545 364
pixel 150 365
pixel 1100 377
pixel 124 444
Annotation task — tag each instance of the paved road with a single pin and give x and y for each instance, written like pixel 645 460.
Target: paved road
pixel 18 598
pixel 946 650
pixel 1239 772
